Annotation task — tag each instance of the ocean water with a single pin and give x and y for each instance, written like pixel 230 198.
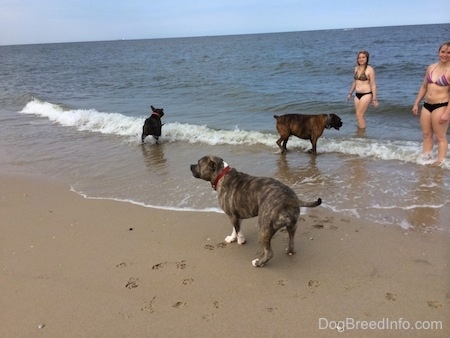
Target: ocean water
pixel 74 113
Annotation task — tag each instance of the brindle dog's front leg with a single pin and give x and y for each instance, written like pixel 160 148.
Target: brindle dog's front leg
pixel 236 234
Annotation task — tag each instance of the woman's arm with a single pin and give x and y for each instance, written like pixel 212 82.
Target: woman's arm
pixel 420 94
pixel 352 88
pixel 373 86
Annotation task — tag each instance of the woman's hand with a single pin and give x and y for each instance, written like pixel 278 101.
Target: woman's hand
pixel 444 117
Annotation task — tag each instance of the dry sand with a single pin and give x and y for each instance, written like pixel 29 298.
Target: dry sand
pixel 75 267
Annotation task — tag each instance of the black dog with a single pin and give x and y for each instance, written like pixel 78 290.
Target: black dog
pixel 152 125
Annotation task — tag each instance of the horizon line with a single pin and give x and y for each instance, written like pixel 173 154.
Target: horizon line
pixel 218 35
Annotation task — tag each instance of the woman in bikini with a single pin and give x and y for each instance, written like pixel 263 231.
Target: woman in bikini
pixel 365 86
pixel 435 113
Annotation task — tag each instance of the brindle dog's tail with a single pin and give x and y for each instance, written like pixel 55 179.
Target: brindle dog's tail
pixel 311 204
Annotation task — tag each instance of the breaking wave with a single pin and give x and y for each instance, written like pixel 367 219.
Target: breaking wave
pixel 130 127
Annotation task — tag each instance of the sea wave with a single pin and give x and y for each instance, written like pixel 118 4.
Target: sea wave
pixel 130 127
pixel 153 206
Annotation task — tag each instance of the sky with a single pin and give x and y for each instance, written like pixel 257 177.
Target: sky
pixel 49 21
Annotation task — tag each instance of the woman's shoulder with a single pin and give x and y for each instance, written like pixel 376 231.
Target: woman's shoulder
pixel 370 69
pixel 432 66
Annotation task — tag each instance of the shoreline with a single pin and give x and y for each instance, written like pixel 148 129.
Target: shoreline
pixel 74 267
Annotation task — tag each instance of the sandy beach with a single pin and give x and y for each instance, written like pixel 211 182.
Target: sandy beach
pixel 76 267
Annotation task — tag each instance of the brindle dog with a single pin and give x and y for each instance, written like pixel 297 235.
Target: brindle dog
pixel 152 125
pixel 307 127
pixel 243 196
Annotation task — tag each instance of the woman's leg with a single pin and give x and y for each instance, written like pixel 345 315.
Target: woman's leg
pixel 440 131
pixel 361 106
pixel 427 131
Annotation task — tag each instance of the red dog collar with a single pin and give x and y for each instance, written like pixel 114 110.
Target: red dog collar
pixel 221 174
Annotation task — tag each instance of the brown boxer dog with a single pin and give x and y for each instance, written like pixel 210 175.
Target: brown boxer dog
pixel 243 196
pixel 307 127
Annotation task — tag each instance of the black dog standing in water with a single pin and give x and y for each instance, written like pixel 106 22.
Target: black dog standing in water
pixel 152 125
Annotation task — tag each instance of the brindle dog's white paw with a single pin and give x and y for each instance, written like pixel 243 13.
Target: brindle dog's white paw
pixel 230 239
pixel 241 240
pixel 256 264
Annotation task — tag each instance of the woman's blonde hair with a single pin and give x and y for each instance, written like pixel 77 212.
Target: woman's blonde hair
pixel 444 44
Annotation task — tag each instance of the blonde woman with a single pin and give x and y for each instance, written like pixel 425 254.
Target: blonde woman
pixel 366 88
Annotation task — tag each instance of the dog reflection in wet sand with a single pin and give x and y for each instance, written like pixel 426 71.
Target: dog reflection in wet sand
pixel 243 196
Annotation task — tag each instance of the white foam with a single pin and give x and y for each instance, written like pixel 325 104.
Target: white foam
pixel 122 125
pixel 85 119
pixel 216 210
pixel 404 224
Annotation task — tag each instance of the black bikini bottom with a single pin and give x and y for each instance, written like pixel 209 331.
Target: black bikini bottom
pixel 430 107
pixel 360 95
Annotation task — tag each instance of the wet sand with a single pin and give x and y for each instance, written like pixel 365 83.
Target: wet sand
pixel 75 267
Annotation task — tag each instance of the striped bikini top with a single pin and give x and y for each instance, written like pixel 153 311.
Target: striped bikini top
pixel 442 81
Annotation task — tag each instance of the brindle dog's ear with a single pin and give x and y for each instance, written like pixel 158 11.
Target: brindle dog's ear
pixel 212 165
pixel 219 163
pixel 215 163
